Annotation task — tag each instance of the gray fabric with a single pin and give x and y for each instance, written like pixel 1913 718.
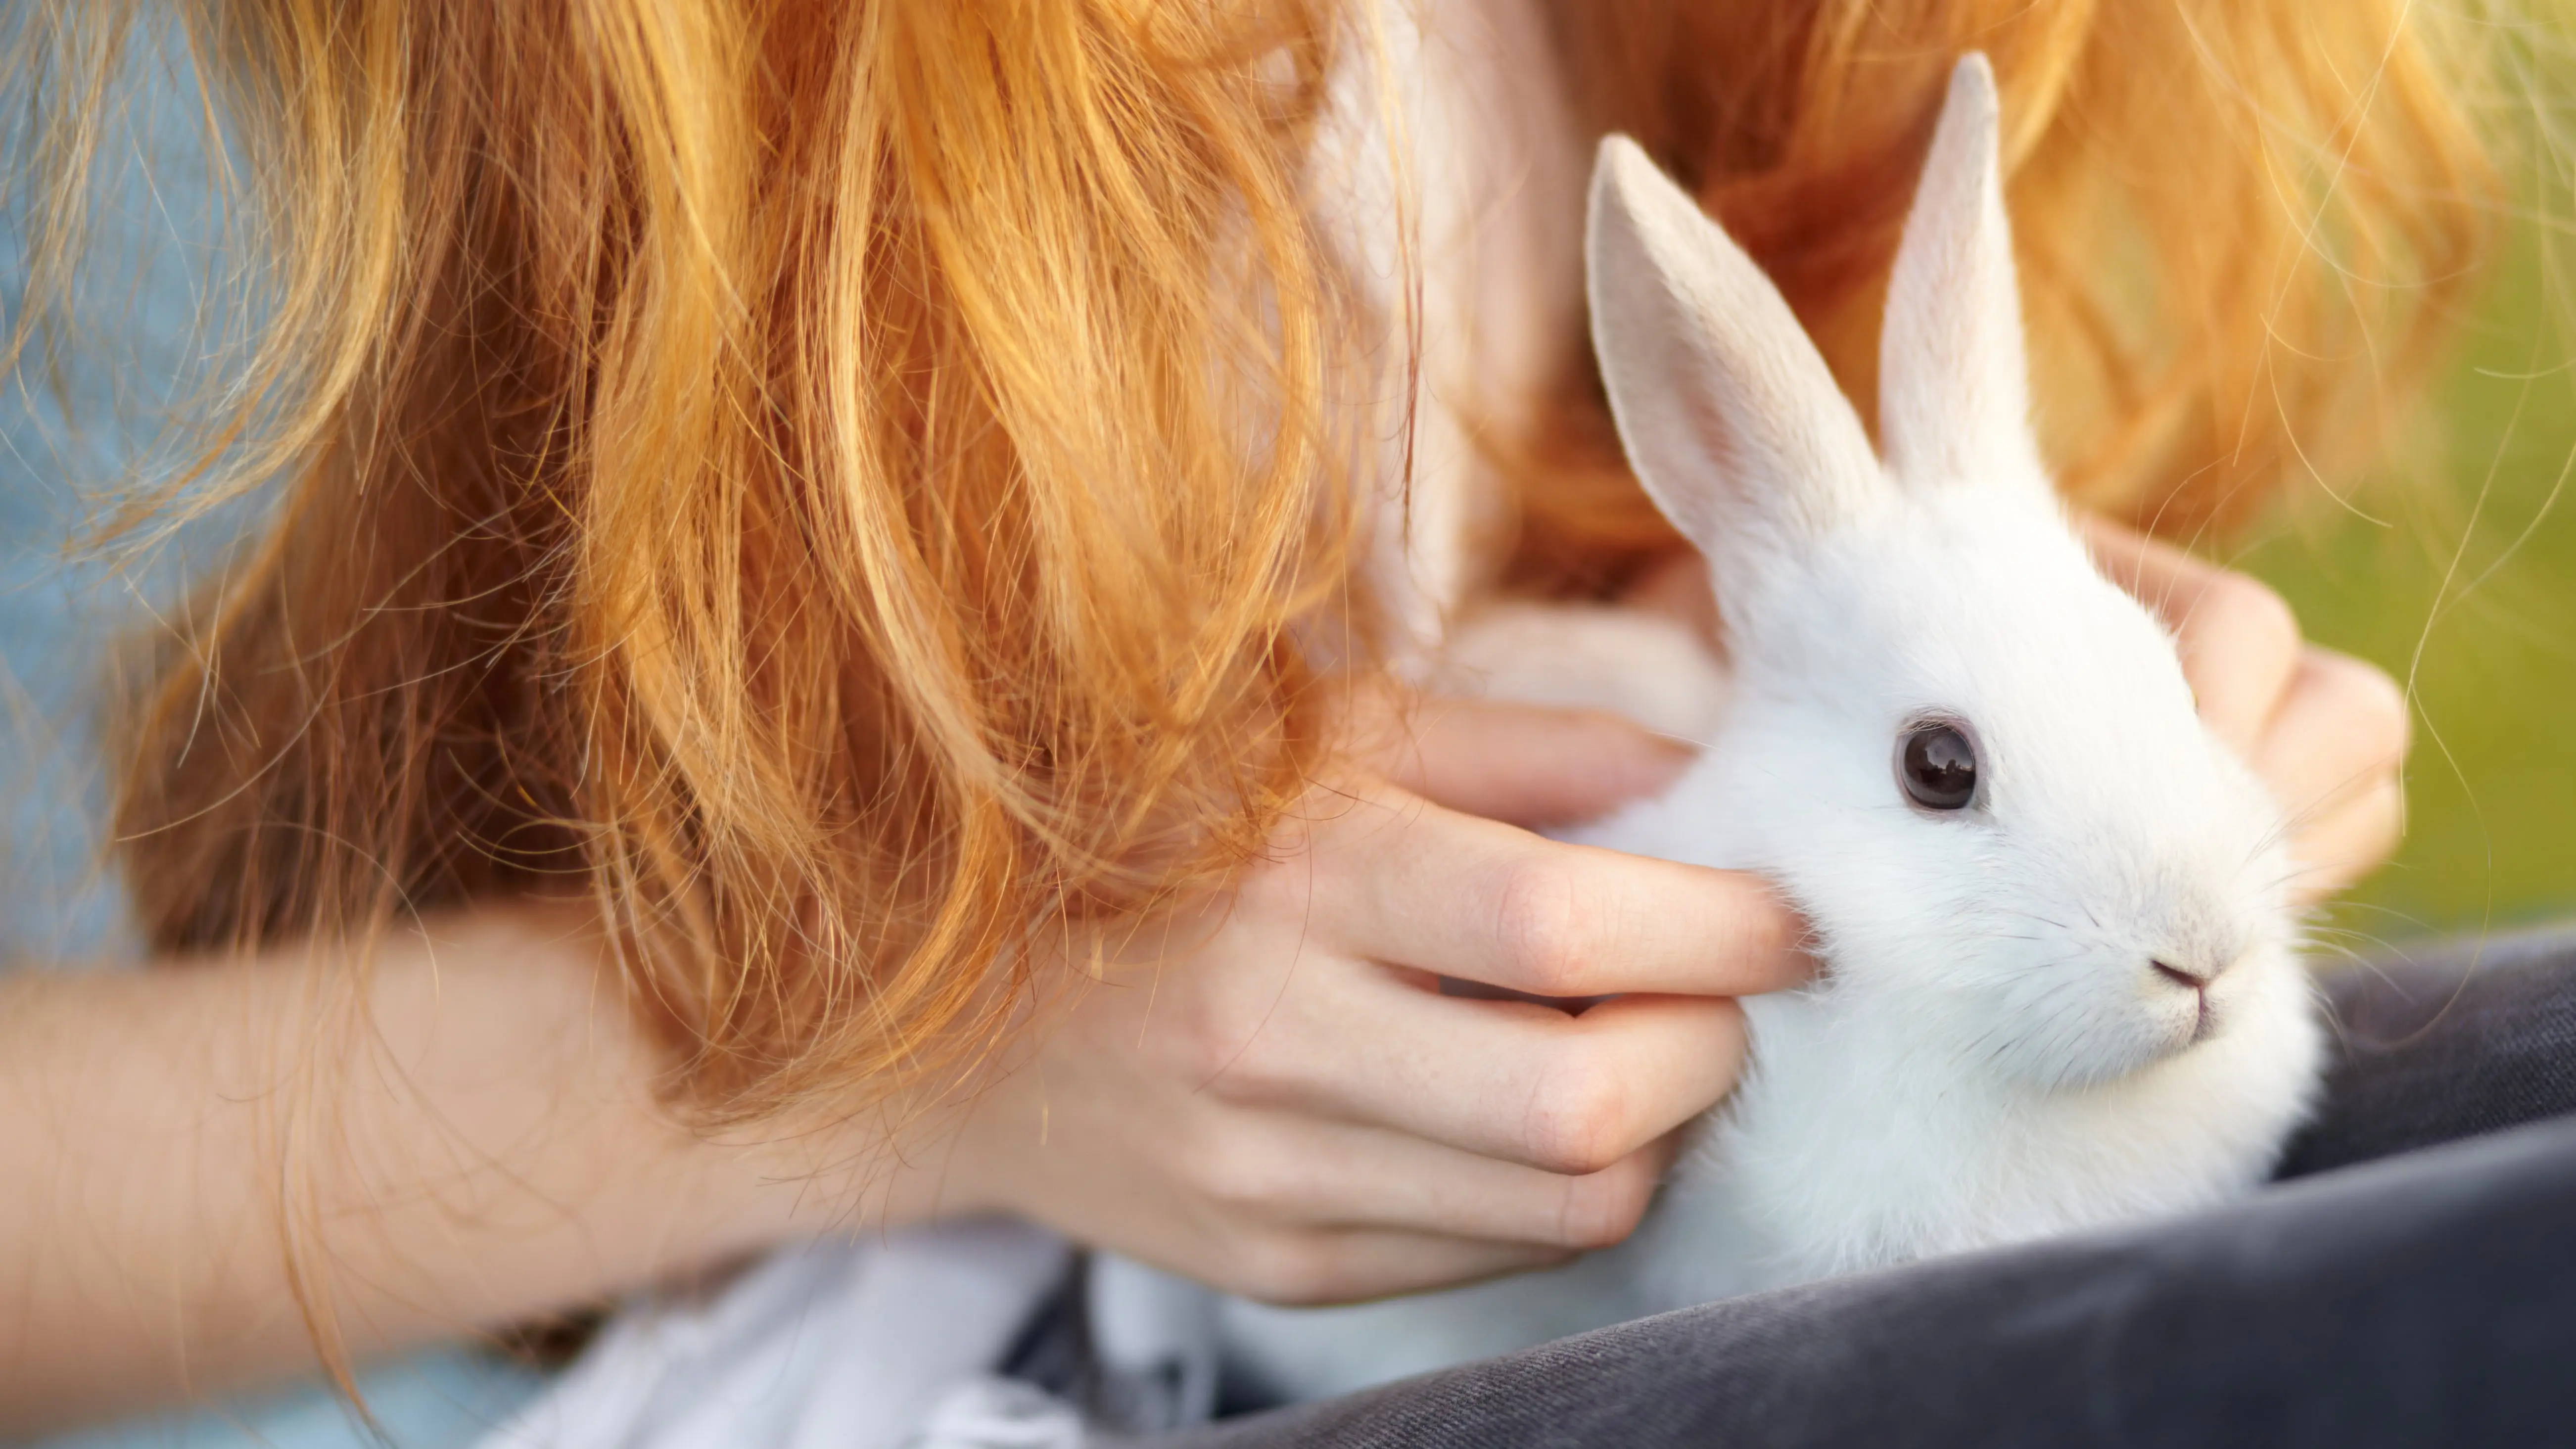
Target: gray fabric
pixel 2428 1299
pixel 2397 1292
pixel 2444 1042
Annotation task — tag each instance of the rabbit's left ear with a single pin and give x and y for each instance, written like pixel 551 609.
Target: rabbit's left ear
pixel 1954 388
pixel 1729 414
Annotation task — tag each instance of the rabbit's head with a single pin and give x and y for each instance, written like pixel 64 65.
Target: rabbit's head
pixel 1973 761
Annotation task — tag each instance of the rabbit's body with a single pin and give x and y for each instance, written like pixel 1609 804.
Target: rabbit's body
pixel 2059 987
pixel 1980 1064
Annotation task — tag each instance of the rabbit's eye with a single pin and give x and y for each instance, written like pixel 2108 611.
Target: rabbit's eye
pixel 1938 767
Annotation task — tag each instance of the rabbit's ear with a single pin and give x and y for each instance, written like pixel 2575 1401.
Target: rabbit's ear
pixel 1728 413
pixel 1953 388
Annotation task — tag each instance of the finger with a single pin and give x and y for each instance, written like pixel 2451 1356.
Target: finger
pixel 1398 880
pixel 1292 1169
pixel 2348 842
pixel 1524 1084
pixel 1527 764
pixel 1676 586
pixel 1312 1269
pixel 2340 732
pixel 2238 640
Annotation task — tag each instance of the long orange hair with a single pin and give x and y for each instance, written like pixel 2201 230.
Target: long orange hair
pixel 2244 227
pixel 850 487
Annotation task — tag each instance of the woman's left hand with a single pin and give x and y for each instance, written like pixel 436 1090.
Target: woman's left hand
pixel 2325 731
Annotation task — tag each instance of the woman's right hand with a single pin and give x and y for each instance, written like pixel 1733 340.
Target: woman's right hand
pixel 1270 1094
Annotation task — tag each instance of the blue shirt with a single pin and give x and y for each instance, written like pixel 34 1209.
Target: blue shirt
pixel 140 293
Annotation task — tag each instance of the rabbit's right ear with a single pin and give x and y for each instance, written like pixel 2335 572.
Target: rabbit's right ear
pixel 1728 413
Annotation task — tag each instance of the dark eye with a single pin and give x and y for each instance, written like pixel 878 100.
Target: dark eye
pixel 1938 767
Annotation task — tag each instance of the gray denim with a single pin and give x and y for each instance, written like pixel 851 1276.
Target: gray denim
pixel 2410 1281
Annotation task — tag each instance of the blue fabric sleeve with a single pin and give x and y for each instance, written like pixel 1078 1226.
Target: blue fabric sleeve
pixel 60 614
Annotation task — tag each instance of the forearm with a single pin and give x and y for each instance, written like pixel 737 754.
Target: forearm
pixel 189 1159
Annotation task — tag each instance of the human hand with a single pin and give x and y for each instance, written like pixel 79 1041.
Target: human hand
pixel 2326 732
pixel 1268 1092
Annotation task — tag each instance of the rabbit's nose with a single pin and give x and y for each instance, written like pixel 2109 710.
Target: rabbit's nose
pixel 2198 970
pixel 2197 977
pixel 2194 976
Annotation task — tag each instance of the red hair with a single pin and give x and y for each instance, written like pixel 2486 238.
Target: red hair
pixel 845 485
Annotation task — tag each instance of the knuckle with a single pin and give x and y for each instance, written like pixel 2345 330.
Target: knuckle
pixel 1281 889
pixel 1603 1209
pixel 1726 1042
pixel 2254 612
pixel 1215 1049
pixel 1203 1048
pixel 2387 821
pixel 1242 1178
pixel 2370 702
pixel 1231 1072
pixel 1549 935
pixel 1288 1269
pixel 1766 925
pixel 1578 1118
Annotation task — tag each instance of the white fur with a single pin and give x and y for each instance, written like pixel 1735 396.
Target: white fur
pixel 1989 1055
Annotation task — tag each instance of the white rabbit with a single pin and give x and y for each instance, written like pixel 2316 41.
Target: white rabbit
pixel 2059 988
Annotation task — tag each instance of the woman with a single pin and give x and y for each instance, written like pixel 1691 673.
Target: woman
pixel 811 532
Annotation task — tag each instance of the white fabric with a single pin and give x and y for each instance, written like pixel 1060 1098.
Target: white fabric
pixel 994 1413
pixel 1154 1339
pixel 883 1344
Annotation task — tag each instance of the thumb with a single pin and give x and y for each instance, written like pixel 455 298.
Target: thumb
pixel 1523 764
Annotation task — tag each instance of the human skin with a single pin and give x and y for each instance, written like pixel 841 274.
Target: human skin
pixel 1262 1089
pixel 465 1132
pixel 1321 1122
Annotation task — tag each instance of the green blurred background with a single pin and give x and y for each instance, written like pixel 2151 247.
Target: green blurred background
pixel 2456 572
